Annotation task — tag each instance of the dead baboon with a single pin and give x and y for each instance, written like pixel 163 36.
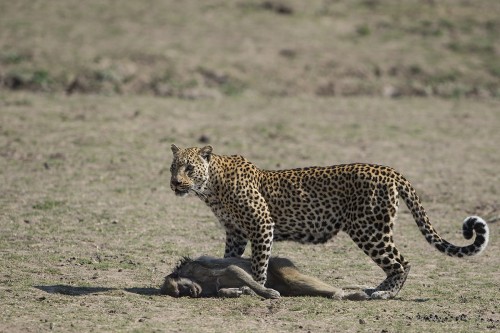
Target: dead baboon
pixel 231 277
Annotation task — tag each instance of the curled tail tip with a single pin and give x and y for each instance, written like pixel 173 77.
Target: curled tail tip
pixel 478 225
pixel 474 223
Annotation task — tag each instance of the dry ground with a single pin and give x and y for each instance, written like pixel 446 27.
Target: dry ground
pixel 92 94
pixel 90 226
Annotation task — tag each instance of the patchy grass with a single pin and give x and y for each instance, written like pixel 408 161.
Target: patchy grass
pixel 90 226
pixel 228 48
pixel 47 205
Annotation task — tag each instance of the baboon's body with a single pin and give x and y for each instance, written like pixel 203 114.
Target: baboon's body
pixel 231 277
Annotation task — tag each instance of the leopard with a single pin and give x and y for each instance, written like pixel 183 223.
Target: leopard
pixel 311 205
pixel 208 276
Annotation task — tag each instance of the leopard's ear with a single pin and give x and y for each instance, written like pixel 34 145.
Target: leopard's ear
pixel 175 149
pixel 206 152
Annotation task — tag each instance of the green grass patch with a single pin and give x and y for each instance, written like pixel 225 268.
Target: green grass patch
pixel 48 204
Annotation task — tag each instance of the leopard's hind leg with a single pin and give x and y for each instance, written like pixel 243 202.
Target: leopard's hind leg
pixel 396 268
pixel 377 242
pixel 382 251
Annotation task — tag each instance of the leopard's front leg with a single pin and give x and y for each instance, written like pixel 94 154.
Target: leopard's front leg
pixel 262 241
pixel 254 223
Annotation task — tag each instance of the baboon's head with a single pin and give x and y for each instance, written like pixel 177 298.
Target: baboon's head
pixel 177 286
pixel 189 170
pixel 179 283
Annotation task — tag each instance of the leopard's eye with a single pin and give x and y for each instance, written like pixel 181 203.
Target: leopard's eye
pixel 172 168
pixel 189 168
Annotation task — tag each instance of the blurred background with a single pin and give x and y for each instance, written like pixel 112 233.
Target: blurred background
pixel 207 49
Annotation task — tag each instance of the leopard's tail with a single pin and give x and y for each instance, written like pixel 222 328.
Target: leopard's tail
pixel 470 225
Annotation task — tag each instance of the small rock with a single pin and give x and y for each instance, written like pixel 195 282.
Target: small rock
pixel 277 7
pixel 203 139
pixel 362 321
pixel 288 53
pixel 391 92
pixel 57 156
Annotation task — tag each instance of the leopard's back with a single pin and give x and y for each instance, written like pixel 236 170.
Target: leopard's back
pixel 311 205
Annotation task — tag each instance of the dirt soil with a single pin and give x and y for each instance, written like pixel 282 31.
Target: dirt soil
pixel 92 95
pixel 90 226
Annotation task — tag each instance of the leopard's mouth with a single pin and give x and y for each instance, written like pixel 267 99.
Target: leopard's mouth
pixel 181 192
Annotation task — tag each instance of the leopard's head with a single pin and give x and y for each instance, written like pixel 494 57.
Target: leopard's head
pixel 189 170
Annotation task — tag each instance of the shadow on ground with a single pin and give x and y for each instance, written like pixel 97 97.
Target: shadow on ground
pixel 143 291
pixel 80 291
pixel 147 291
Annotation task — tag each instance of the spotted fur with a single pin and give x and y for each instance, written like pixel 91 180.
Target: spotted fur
pixel 311 205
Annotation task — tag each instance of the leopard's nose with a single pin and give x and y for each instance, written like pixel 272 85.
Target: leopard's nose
pixel 175 182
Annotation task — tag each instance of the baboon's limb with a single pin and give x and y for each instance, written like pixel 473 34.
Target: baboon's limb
pixel 231 277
